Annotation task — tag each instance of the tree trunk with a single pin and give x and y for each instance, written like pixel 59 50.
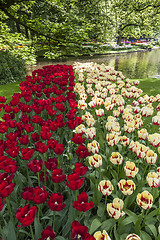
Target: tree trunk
pixel 119 39
pixel 18 28
pixel 26 31
pixel 116 64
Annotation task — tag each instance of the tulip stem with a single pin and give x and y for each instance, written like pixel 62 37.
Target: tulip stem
pixel 145 171
pixel 79 217
pixel 54 214
pixel 38 179
pixel 55 187
pixel 99 171
pixel 143 212
pixel 9 209
pixel 39 209
pixel 44 168
pixel 126 201
pixel 95 188
pixel 142 216
pixel 76 194
pixel 31 229
pixel 138 162
pixel 104 208
pixel 59 160
pixel 28 176
pixel 118 171
pixel 2 234
pixel 112 227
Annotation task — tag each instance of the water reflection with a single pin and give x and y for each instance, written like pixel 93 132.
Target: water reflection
pixel 133 65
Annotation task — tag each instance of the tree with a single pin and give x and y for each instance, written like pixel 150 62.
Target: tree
pixel 135 17
pixel 47 21
pixel 62 26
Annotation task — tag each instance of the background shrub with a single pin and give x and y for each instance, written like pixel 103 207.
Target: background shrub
pixel 11 68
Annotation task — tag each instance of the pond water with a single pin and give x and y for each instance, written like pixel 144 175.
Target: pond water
pixel 133 65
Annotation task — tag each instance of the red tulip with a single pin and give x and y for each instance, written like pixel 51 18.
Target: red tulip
pixel 58 176
pixel 78 138
pixel 37 119
pixel 40 195
pixel 72 124
pixel 25 118
pixel 12 123
pixel 11 136
pixel 6 189
pixel 3 127
pixel 35 165
pixel 75 182
pixel 45 135
pixel 56 202
pixel 51 163
pixel 82 152
pixel 51 143
pixel 29 127
pixel 7 109
pixel 72 103
pixel 71 114
pixel 59 149
pixel 47 233
pixel 53 126
pixel 24 139
pixel 35 137
pixel 80 169
pixel 9 165
pixel 13 151
pixel 2 99
pixel 27 193
pixel 82 204
pixel 27 153
pixel 41 147
pixel 60 107
pixel 78 231
pixel 26 215
pixel 6 177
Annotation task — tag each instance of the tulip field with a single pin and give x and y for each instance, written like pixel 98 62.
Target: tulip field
pixel 79 157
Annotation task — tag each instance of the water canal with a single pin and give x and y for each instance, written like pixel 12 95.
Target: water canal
pixel 133 65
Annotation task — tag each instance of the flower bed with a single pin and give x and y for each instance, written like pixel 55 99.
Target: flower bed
pixel 63 176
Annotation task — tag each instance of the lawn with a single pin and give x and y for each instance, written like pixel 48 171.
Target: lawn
pixel 150 86
pixel 9 89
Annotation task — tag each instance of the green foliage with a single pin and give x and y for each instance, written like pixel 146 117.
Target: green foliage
pixel 17 45
pixel 58 28
pixel 134 18
pixel 12 69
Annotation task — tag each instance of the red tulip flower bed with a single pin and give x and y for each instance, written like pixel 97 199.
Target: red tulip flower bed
pixel 40 160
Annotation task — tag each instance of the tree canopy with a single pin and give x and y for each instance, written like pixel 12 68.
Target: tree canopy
pixel 61 26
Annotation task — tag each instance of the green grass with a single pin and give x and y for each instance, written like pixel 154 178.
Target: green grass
pixel 150 86
pixel 8 90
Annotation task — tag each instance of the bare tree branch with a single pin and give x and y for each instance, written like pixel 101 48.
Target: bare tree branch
pixel 128 25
